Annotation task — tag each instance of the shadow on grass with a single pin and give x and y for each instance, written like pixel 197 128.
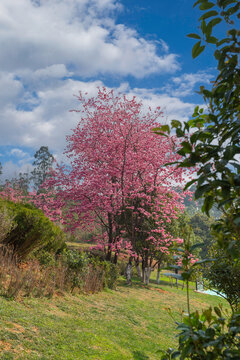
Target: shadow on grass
pixel 138 355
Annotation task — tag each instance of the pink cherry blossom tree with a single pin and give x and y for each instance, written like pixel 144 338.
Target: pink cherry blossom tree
pixel 117 178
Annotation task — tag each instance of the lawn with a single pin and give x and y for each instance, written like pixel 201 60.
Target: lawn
pixel 126 323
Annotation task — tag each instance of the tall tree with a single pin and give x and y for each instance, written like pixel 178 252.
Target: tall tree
pixel 117 172
pixel 43 164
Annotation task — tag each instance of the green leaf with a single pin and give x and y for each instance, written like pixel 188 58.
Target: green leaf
pixel 206 6
pixel 186 147
pixel 176 123
pixel 212 40
pixel 203 26
pixel 227 2
pixel 201 190
pixel 194 36
pixel 189 184
pixel 175 276
pixel 223 41
pixel 217 311
pixel 165 128
pixel 207 205
pixel 197 49
pixel 214 22
pixel 195 246
pixel 233 9
pixel 197 2
pixel 208 15
pixel 237 221
pixel 175 267
pixel 204 261
pixel 179 132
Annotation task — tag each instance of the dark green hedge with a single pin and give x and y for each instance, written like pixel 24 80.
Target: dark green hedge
pixel 32 230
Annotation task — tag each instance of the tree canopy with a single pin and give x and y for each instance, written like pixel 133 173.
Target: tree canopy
pixel 117 176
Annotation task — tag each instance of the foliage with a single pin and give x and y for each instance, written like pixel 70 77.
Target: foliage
pixel 81 266
pixel 43 164
pixel 211 141
pixel 185 259
pixel 6 221
pixel 110 271
pixel 44 275
pixel 201 226
pixel 19 183
pixel 45 257
pixel 223 276
pixel 32 230
pixel 41 200
pixel 207 336
pixel 75 260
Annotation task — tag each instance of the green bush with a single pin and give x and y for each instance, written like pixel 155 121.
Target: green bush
pixel 76 263
pixel 75 260
pixel 45 258
pixel 224 276
pixel 110 272
pixel 32 230
pixel 209 336
pixel 6 221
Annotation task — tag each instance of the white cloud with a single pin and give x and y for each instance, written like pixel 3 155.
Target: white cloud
pixel 172 107
pixel 184 85
pixel 11 170
pixel 10 88
pixel 82 34
pixel 18 153
pixel 48 46
pixel 50 120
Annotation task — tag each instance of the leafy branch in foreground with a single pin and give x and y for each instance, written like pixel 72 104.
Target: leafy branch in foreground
pixel 211 141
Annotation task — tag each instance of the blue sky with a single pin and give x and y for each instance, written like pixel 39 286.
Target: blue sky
pixel 51 49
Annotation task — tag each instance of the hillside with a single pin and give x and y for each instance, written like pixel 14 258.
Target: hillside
pixel 128 323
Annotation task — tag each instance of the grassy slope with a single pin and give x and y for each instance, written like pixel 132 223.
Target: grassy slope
pixel 129 323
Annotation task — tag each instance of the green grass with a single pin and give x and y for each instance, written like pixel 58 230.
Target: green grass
pixel 129 323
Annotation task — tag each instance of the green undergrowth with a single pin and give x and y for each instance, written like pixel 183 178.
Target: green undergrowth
pixel 127 323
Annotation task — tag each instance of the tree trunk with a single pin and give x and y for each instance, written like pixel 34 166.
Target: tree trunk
pixel 115 258
pixel 129 271
pixel 147 274
pixel 176 272
pixel 110 238
pixel 137 262
pixel 158 274
pixel 143 271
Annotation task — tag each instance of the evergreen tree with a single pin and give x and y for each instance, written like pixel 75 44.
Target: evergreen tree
pixel 43 163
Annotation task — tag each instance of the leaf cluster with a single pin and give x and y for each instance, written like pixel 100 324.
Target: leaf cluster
pixel 224 275
pixel 209 335
pixel 210 141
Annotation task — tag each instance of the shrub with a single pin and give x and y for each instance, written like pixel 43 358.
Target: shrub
pixel 208 336
pixel 6 221
pixel 75 260
pixel 31 279
pixel 45 258
pixel 32 230
pixel 110 272
pixel 224 276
